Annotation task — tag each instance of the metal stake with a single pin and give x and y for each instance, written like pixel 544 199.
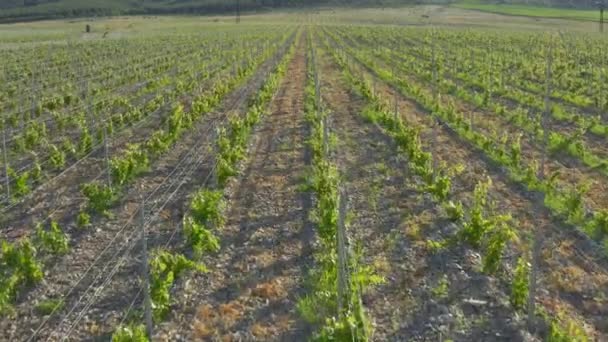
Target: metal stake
pixel 107 155
pixel 396 112
pixel 341 251
pixel 215 153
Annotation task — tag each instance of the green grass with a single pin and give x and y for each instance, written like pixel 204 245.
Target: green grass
pixel 529 11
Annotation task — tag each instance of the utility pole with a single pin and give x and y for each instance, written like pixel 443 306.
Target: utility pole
pixel 238 11
pixel 602 17
pixel 601 5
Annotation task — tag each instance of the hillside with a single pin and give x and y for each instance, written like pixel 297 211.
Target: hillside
pixel 565 9
pixel 16 10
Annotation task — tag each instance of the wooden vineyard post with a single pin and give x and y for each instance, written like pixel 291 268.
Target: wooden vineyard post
pixel 84 83
pixel 107 155
pixel 491 73
pixel 434 71
pixel 33 87
pixel 317 89
pixel 215 154
pixel 471 113
pixel 317 84
pixel 396 111
pixel 436 98
pixel 471 119
pixel 341 251
pixel 83 93
pixel 145 274
pixel 325 136
pixel 472 62
pixel 22 112
pixel 547 110
pixel 536 247
pixel 396 100
pixel 601 5
pixel 373 87
pixel 436 133
pixel 503 64
pixel 590 79
pixel 600 99
pixel 4 154
pixel 234 68
pixel 453 63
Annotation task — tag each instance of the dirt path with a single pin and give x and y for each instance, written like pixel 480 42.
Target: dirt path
pixel 255 281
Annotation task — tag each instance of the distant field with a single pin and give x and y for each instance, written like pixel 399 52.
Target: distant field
pixel 97 8
pixel 530 11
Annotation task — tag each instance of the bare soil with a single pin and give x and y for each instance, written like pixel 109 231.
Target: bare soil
pixel 256 279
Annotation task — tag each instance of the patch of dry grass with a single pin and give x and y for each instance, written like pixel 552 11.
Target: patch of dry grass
pixel 260 331
pixel 209 319
pixel 273 289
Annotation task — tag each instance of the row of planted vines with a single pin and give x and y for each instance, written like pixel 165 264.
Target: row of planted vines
pixel 338 277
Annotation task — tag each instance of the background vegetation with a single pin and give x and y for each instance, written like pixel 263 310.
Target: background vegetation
pixel 17 10
pixel 26 10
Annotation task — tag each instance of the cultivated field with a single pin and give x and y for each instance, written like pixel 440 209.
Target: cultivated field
pixel 416 174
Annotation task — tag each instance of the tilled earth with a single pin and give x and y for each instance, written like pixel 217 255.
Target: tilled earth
pixel 254 282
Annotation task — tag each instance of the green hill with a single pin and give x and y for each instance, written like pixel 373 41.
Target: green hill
pixel 583 10
pixel 23 10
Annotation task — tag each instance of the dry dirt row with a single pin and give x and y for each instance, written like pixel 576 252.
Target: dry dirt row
pixel 258 275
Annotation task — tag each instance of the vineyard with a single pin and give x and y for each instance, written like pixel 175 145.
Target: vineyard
pixel 302 177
